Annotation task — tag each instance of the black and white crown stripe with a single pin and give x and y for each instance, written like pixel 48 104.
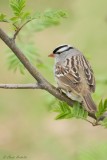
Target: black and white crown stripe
pixel 62 49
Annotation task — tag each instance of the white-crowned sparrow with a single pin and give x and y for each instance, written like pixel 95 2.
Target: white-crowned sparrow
pixel 74 75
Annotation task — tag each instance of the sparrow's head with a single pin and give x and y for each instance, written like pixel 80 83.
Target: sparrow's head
pixel 60 50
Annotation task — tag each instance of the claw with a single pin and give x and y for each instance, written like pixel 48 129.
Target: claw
pixel 59 89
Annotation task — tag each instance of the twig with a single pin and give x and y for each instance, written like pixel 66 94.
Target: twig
pixel 18 29
pixel 21 86
pixel 35 73
pixel 15 26
pixel 88 121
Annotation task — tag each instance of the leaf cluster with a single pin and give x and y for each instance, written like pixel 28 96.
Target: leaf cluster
pixel 101 114
pixel 17 7
pixel 37 22
pixel 46 19
pixel 66 112
pixel 77 111
pixel 102 108
pixel 20 16
pixel 31 53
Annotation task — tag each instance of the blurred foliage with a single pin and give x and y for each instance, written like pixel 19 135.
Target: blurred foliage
pixel 17 7
pixel 66 112
pixel 47 19
pixel 2 17
pixel 96 152
pixel 102 108
pixel 31 53
pixel 77 111
pixel 40 21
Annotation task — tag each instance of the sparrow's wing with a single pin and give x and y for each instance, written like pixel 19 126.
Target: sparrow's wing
pixel 89 74
pixel 69 73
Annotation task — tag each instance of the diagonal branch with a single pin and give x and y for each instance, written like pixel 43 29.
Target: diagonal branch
pixel 35 73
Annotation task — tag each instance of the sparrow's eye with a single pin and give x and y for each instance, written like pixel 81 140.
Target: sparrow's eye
pixel 62 49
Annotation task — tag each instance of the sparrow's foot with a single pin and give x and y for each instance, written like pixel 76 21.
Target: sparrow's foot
pixel 59 89
pixel 82 103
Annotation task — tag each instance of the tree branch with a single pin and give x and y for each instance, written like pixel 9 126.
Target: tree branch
pixel 35 73
pixel 21 86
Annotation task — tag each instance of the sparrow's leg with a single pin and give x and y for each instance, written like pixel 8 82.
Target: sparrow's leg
pixel 59 89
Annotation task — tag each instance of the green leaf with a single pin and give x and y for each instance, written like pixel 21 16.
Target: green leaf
pixel 31 53
pixel 85 114
pixel 54 14
pixel 105 104
pixel 26 16
pixel 104 122
pixel 66 111
pixel 79 112
pixel 76 109
pixel 102 108
pixel 20 16
pixel 47 19
pixel 17 6
pixel 63 116
pixel 63 109
pixel 2 17
pixel 15 20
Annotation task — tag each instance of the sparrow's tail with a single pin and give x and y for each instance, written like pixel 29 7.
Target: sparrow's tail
pixel 89 103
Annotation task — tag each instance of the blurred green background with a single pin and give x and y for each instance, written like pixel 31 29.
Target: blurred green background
pixel 27 128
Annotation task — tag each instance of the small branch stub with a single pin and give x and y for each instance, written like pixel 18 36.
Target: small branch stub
pixel 20 86
pixel 19 29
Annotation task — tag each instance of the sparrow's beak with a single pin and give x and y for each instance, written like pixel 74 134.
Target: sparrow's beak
pixel 51 55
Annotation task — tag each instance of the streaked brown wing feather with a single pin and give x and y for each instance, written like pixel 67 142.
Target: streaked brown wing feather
pixel 89 74
pixel 69 72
